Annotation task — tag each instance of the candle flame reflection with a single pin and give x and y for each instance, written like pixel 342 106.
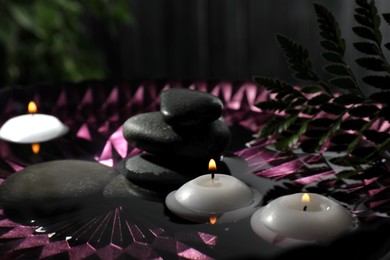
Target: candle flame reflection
pixel 213 220
pixel 305 198
pixel 35 148
pixel 32 107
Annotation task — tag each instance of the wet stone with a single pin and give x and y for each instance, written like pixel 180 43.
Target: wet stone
pixel 150 133
pixel 52 188
pixel 185 107
pixel 120 188
pixel 147 168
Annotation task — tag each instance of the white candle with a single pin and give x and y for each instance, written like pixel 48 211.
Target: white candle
pixel 303 216
pixel 32 128
pixel 221 194
pixel 209 196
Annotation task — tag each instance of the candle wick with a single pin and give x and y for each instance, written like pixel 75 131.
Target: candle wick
pixel 305 208
pixel 212 175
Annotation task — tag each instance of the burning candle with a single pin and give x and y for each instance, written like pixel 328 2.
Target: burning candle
pixel 213 197
pixel 32 128
pixel 302 217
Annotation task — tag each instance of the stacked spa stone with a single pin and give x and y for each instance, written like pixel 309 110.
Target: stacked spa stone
pixel 178 141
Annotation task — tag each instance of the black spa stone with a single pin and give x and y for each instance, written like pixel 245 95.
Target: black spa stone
pixel 184 107
pixel 120 188
pixel 51 188
pixel 147 168
pixel 150 133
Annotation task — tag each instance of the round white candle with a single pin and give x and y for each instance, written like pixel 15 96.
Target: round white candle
pixel 294 216
pixel 224 197
pixel 32 128
pixel 221 194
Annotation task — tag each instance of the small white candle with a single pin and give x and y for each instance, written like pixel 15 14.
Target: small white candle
pixel 32 128
pixel 213 196
pixel 221 194
pixel 303 216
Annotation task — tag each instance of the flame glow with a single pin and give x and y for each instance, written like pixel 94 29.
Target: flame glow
pixel 213 220
pixel 212 165
pixel 32 107
pixel 305 198
pixel 35 148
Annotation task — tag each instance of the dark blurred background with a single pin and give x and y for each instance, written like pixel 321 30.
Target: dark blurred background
pixel 70 40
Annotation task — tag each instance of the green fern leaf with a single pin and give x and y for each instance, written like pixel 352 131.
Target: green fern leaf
pixel 333 109
pixel 348 99
pixel 364 6
pixel 298 58
pixel 376 137
pixel 353 124
pixel 376 21
pixel 330 30
pixel 319 100
pixel 363 20
pixel 330 46
pixel 277 125
pixel 387 45
pixel 321 122
pixel 367 48
pixel 345 83
pixel 362 11
pixel 312 89
pixel 380 82
pixel 382 97
pixel 372 112
pixel 335 46
pixel 373 64
pixel 364 111
pixel 272 105
pixel 290 141
pixel 344 138
pixel 348 124
pixel 338 69
pixel 385 114
pixel 310 145
pixel 272 84
pixel 370 22
pixel 332 57
pixel 386 17
pixel 346 174
pixel 365 33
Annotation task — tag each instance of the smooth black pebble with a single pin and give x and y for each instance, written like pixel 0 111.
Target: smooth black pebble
pixel 120 188
pixel 185 107
pixel 150 133
pixel 148 168
pixel 56 187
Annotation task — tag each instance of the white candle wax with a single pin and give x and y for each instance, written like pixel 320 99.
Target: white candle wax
pixel 221 194
pixel 225 197
pixel 290 216
pixel 32 128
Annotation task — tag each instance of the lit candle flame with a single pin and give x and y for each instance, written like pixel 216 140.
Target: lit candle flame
pixel 32 107
pixel 212 165
pixel 35 148
pixel 305 198
pixel 213 220
pixel 212 168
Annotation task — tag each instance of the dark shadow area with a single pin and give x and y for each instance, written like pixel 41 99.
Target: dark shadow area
pixel 171 39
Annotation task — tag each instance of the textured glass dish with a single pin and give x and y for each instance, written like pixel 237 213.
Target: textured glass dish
pixel 138 228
